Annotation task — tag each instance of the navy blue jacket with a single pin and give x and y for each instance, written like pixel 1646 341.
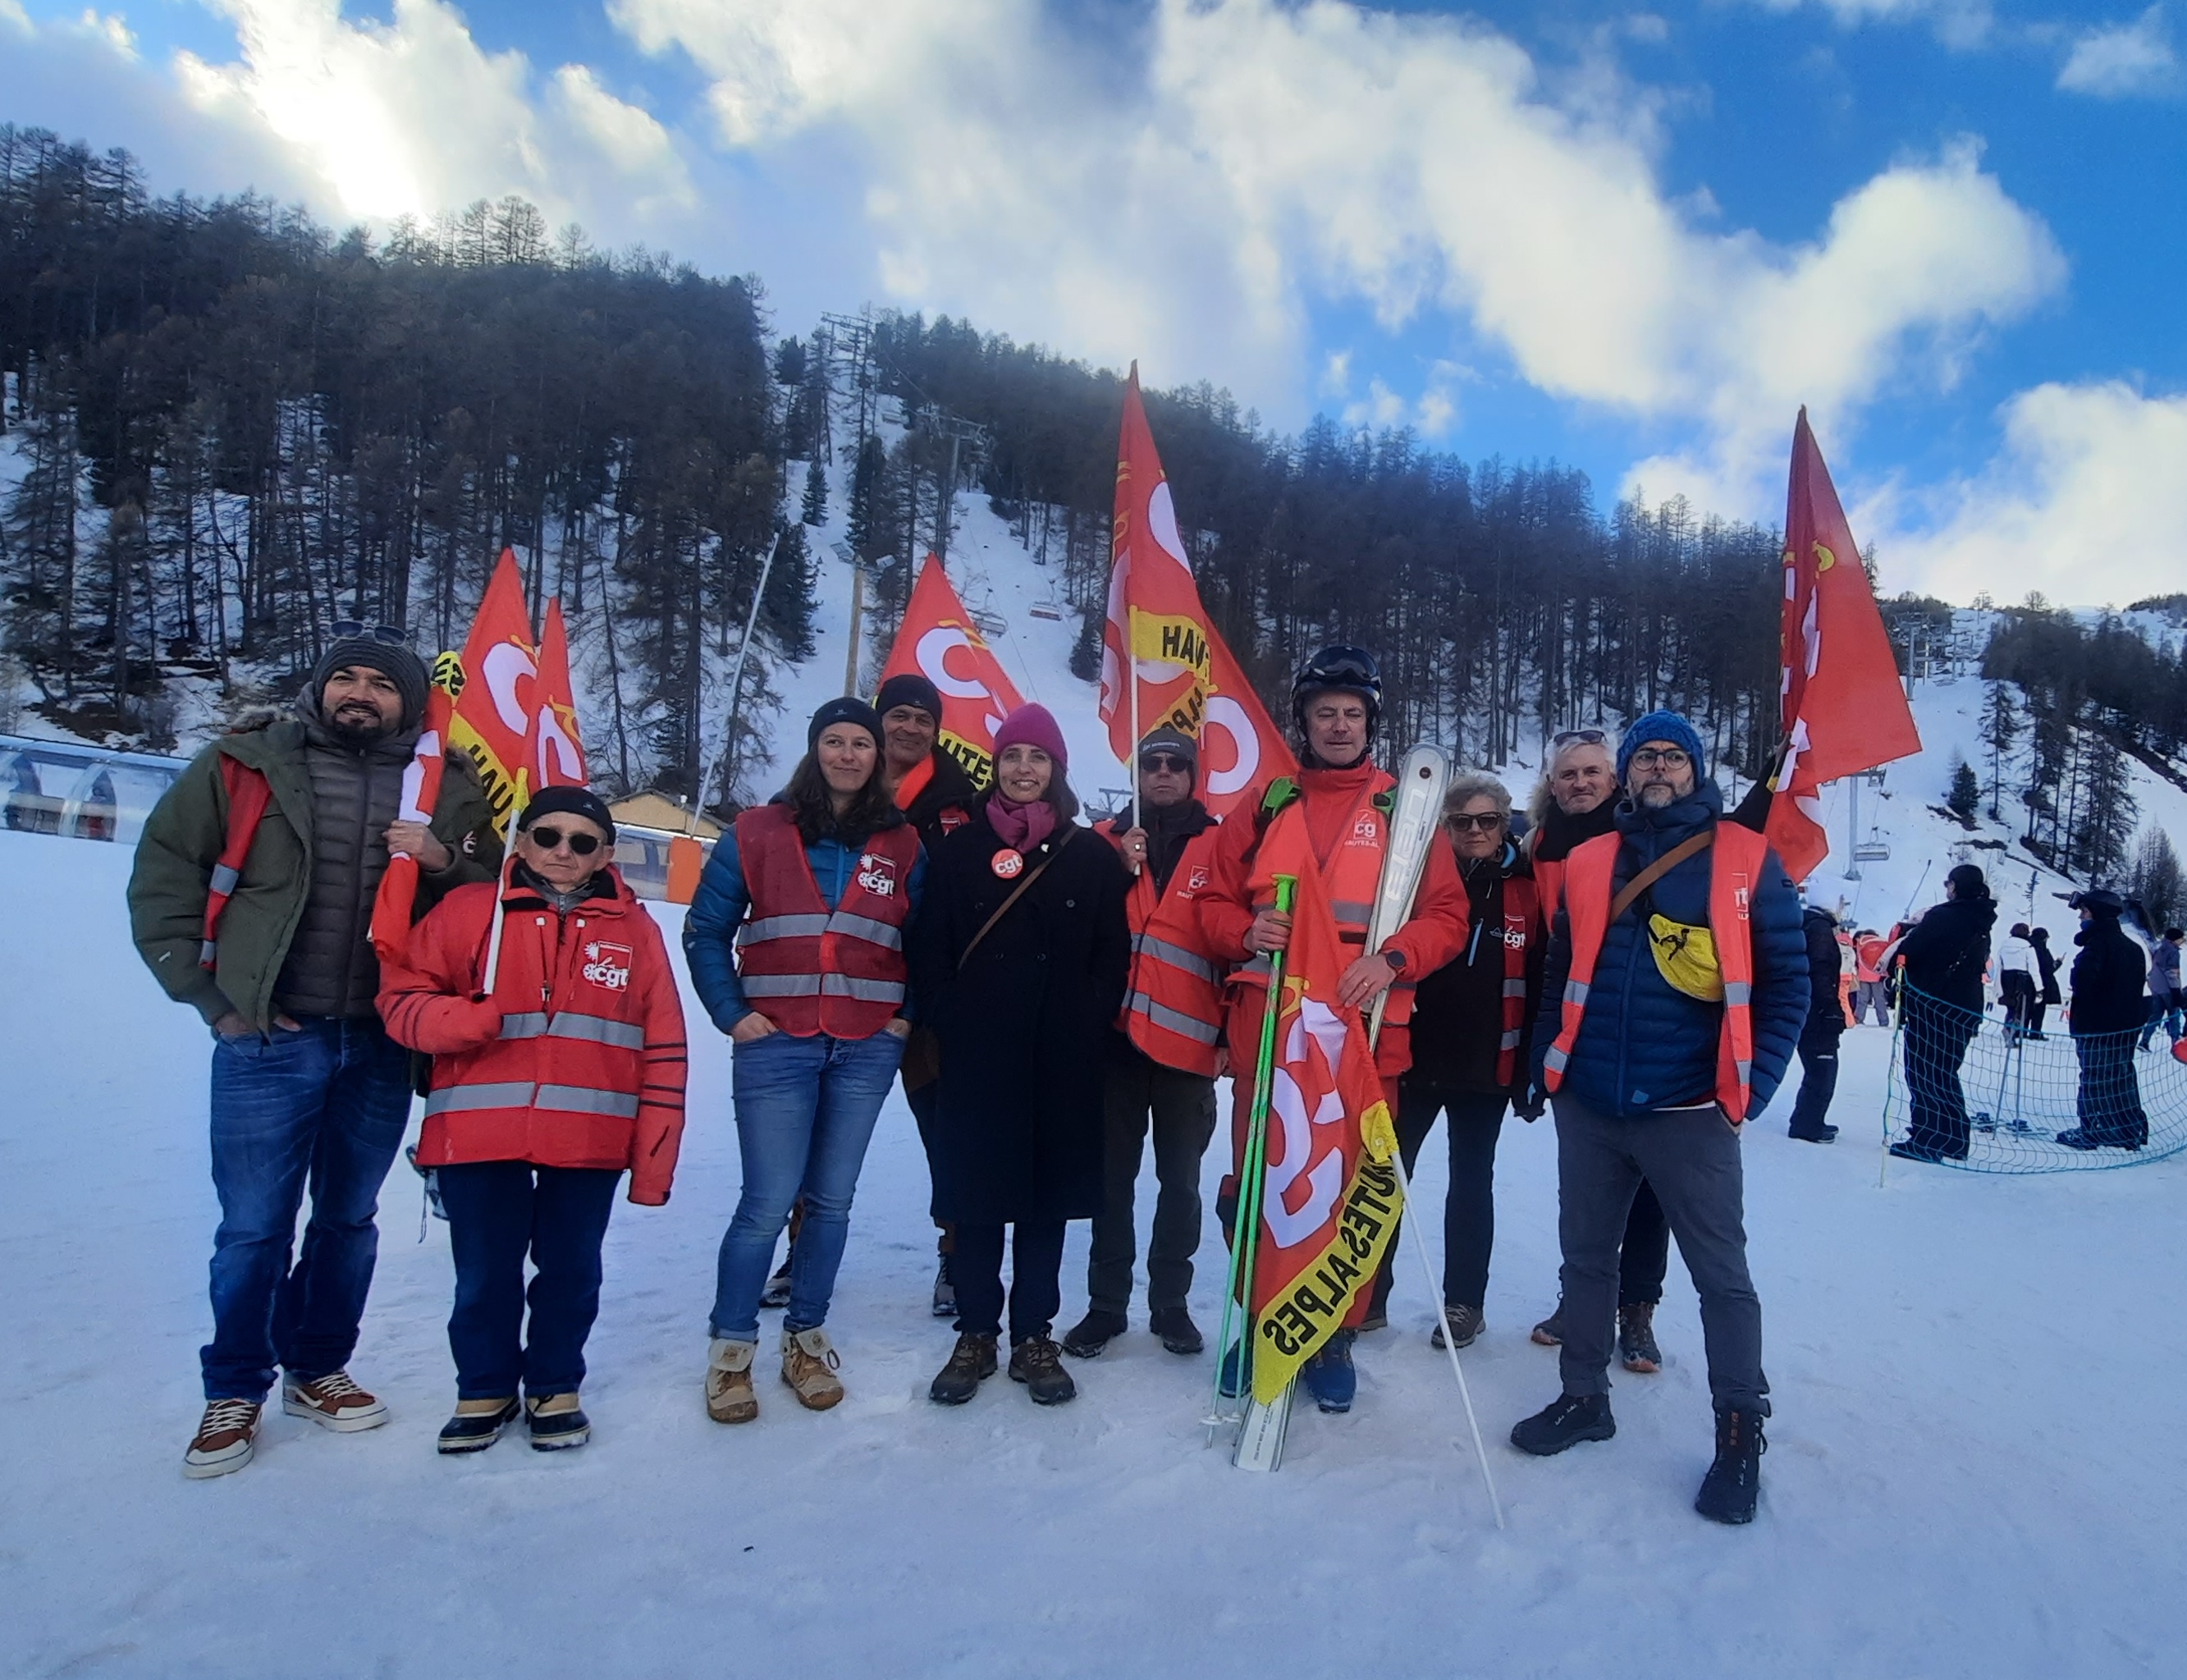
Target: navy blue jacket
pixel 1643 1043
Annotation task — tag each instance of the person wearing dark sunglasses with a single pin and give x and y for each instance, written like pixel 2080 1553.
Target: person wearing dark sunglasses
pixel 1163 1059
pixel 545 1091
pixel 252 900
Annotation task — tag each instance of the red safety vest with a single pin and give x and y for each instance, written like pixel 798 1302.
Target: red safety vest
pixel 249 793
pixel 1734 866
pixel 1352 878
pixel 1521 914
pixel 1174 1010
pixel 805 967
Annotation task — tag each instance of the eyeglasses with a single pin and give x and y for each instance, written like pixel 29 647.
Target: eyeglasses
pixel 1163 761
pixel 355 630
pixel 1671 758
pixel 552 840
pixel 1487 822
pixel 1590 738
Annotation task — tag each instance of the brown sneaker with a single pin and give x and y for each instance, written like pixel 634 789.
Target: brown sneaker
pixel 224 1440
pixel 1636 1339
pixel 334 1400
pixel 729 1396
pixel 809 1365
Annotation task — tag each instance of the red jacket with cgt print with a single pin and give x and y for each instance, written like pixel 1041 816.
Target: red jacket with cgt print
pixel 577 1060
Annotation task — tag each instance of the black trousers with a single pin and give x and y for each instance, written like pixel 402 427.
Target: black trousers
pixel 499 1211
pixel 923 1104
pixel 1035 1294
pixel 1819 1080
pixel 1936 1039
pixel 2110 1095
pixel 1469 1206
pixel 1141 1095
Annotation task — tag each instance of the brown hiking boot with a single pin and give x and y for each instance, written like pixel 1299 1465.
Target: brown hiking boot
pixel 1550 1332
pixel 1038 1363
pixel 1459 1326
pixel 224 1440
pixel 971 1363
pixel 334 1400
pixel 809 1365
pixel 729 1396
pixel 1636 1339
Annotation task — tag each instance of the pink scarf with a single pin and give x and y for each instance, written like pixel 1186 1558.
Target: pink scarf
pixel 1022 827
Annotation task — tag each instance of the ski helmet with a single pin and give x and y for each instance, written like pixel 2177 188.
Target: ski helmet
pixel 1351 670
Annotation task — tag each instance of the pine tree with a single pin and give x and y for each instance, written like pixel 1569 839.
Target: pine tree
pixel 2103 810
pixel 1965 797
pixel 2000 731
pixel 2157 880
pixel 1086 648
pixel 816 494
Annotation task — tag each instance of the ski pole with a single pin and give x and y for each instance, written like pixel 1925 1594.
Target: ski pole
pixel 1245 1222
pixel 1449 1342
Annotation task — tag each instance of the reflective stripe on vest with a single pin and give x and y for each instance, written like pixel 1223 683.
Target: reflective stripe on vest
pixel 1173 1008
pixel 809 969
pixel 1736 857
pixel 515 1093
pixel 249 793
pixel 575 1023
pixel 587 1099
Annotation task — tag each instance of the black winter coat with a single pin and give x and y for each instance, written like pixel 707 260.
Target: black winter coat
pixel 1948 949
pixel 1458 1013
pixel 1826 1009
pixel 2108 976
pixel 1023 1027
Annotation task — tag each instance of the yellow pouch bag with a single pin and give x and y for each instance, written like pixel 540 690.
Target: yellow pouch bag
pixel 1685 956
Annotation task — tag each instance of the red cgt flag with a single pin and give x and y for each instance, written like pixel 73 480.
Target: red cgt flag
pixel 474 706
pixel 938 641
pixel 555 755
pixel 1158 637
pixel 1845 709
pixel 1329 1197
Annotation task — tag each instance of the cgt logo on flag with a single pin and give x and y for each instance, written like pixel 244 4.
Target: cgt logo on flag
pixel 607 964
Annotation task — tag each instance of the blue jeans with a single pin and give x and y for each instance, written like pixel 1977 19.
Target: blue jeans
pixel 325 1107
pixel 497 1211
pixel 805 1109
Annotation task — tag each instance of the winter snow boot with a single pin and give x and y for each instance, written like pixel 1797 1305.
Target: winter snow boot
pixel 1093 1333
pixel 477 1424
pixel 1550 1332
pixel 945 1291
pixel 334 1400
pixel 1636 1339
pixel 1178 1334
pixel 1821 1134
pixel 1571 1420
pixel 809 1365
pixel 1734 1481
pixel 1328 1376
pixel 224 1442
pixel 1459 1326
pixel 776 1294
pixel 1038 1363
pixel 971 1363
pixel 558 1423
pixel 729 1396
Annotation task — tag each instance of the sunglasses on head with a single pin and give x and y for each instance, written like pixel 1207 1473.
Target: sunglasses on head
pixel 356 629
pixel 1486 821
pixel 551 839
pixel 1564 738
pixel 1163 760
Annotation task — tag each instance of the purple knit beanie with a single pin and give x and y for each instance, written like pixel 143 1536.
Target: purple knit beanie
pixel 1034 726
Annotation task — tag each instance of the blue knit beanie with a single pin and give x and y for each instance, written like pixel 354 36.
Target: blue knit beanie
pixel 1662 726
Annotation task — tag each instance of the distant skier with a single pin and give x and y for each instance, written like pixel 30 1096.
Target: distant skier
pixel 252 900
pixel 1333 819
pixel 1678 982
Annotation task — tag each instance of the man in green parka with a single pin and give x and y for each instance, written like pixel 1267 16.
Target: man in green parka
pixel 307 1087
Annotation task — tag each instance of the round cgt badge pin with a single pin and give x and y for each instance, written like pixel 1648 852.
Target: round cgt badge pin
pixel 1008 863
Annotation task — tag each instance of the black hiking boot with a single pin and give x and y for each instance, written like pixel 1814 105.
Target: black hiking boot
pixel 1093 1333
pixel 1821 1134
pixel 1571 1420
pixel 1178 1334
pixel 971 1363
pixel 1734 1481
pixel 1636 1339
pixel 1038 1363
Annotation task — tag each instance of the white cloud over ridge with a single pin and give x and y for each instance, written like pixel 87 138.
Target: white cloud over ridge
pixel 2123 60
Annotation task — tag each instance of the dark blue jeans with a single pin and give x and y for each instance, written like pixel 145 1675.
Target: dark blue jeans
pixel 499 1211
pixel 805 1109
pixel 321 1108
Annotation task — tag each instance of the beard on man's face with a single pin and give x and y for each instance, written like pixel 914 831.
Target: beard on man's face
pixel 358 721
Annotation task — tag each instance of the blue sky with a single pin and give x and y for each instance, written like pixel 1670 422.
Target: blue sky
pixel 1632 239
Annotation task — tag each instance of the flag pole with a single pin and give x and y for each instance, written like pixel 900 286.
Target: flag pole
pixel 736 686
pixel 1132 677
pixel 501 889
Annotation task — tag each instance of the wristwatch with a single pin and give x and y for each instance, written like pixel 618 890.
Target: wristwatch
pixel 1396 959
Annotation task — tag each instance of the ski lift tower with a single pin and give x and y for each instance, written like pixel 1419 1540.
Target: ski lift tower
pixel 849 350
pixel 845 553
pixel 933 420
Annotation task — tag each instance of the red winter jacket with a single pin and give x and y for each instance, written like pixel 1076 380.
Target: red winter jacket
pixel 577 1060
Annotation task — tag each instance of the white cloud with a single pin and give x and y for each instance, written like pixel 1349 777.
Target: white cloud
pixel 1336 374
pixel 2123 59
pixel 630 137
pixel 1962 24
pixel 1380 408
pixel 12 13
pixel 2086 501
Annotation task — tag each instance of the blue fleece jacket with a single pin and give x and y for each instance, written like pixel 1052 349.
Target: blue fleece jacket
pixel 1643 1043
pixel 718 907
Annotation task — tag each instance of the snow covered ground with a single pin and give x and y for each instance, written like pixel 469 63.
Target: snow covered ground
pixel 1973 1468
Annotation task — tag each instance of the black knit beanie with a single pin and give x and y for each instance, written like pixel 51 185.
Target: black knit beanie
pixel 844 711
pixel 909 688
pixel 571 802
pixel 394 661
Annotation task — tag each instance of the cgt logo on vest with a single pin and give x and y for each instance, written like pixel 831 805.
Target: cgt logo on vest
pixel 877 875
pixel 608 965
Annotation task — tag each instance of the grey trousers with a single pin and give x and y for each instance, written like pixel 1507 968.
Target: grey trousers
pixel 1182 1109
pixel 1691 1158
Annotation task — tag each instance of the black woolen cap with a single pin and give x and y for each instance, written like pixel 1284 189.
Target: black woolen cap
pixel 571 802
pixel 909 688
pixel 399 664
pixel 847 710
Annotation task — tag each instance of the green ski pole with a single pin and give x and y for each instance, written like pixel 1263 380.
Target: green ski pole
pixel 1245 1225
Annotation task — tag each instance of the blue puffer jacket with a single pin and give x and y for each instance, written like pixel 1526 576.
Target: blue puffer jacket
pixel 718 907
pixel 1643 1043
